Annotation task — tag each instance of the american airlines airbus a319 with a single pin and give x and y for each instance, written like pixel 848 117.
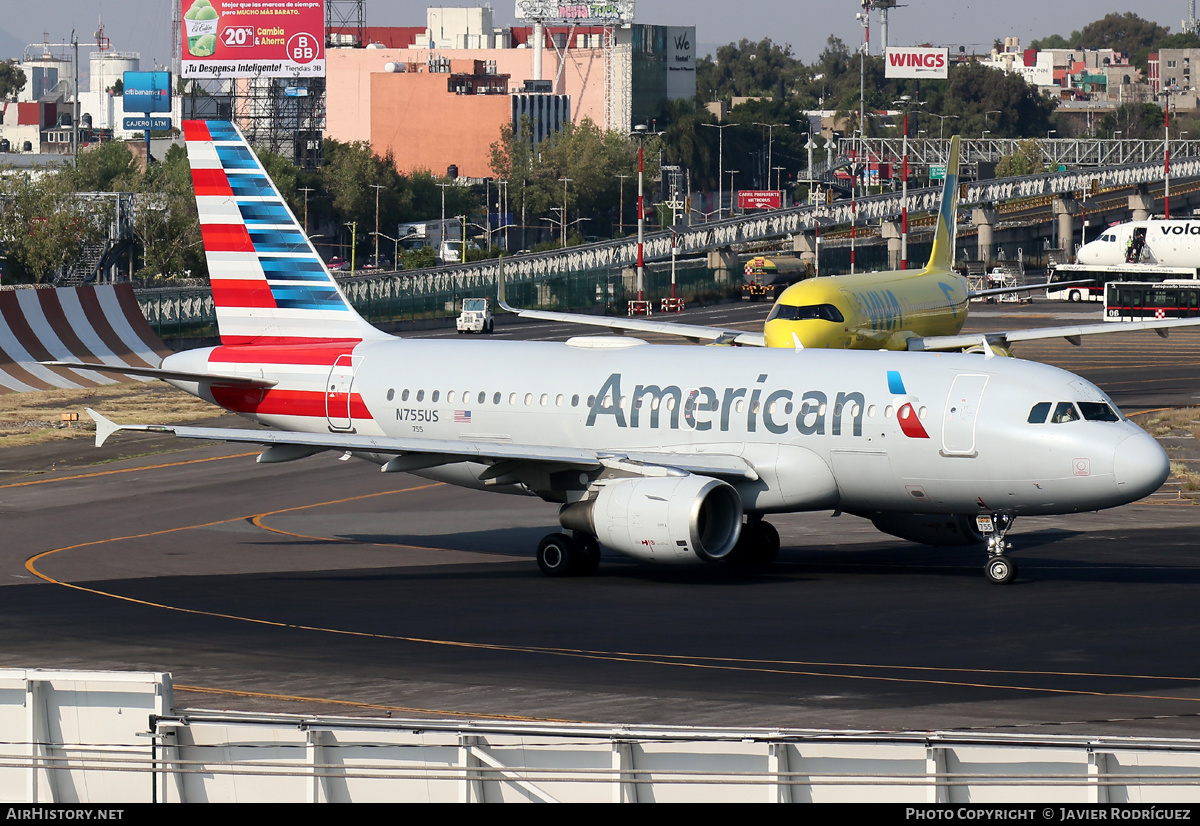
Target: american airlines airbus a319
pixel 665 453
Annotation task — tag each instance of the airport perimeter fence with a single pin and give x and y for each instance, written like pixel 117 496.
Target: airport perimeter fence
pixel 93 738
pixel 178 315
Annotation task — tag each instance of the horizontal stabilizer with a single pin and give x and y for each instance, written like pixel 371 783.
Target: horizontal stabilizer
pixel 158 373
pixel 1028 288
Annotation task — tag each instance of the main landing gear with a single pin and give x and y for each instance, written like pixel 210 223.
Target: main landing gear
pixel 999 568
pixel 757 546
pixel 561 555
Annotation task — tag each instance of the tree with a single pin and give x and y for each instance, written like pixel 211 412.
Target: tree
pixel 108 167
pixel 1133 120
pixel 1026 160
pixel 1057 41
pixel 747 69
pixel 977 93
pixel 43 223
pixel 586 154
pixel 12 79
pixel 1124 32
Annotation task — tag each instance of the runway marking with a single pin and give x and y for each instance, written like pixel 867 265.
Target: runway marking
pixel 726 664
pixel 127 470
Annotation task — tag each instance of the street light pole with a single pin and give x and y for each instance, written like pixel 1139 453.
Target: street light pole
pixel 565 181
pixel 720 162
pixel 621 207
pixel 376 187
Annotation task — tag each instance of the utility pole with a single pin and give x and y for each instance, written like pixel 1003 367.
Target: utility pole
pixel 306 190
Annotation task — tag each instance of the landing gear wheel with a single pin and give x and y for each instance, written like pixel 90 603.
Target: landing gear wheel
pixel 589 554
pixel 757 546
pixel 557 555
pixel 1000 570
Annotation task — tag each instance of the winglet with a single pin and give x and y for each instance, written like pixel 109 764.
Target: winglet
pixel 104 427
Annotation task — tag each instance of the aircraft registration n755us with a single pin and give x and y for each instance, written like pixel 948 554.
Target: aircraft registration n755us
pixel 665 453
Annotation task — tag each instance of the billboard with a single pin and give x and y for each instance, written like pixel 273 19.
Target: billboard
pixel 146 92
pixel 917 62
pixel 253 38
pixel 593 13
pixel 759 199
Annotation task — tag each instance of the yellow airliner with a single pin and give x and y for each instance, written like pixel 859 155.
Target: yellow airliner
pixel 920 309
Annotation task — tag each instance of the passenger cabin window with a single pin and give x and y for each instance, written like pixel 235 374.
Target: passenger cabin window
pixel 809 312
pixel 1039 413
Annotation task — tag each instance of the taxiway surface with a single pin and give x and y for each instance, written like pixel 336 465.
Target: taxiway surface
pixel 325 586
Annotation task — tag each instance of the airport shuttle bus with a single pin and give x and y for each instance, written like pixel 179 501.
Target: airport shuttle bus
pixel 1104 275
pixel 1139 301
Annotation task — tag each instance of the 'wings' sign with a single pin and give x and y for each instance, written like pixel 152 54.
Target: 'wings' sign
pixel 917 62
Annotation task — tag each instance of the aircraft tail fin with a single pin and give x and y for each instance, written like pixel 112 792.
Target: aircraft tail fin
pixel 942 255
pixel 269 284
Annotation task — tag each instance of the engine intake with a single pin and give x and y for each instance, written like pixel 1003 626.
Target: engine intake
pixel 662 519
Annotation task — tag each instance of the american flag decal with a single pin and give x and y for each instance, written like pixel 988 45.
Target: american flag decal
pixel 462 416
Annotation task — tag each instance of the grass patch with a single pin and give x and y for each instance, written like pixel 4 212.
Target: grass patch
pixel 1179 421
pixel 36 417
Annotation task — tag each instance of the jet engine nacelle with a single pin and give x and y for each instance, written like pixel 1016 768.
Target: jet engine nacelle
pixel 662 519
pixel 930 528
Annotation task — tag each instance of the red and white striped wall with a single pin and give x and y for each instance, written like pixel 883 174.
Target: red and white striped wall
pixel 95 324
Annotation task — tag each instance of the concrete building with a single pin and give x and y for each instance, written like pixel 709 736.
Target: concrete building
pixel 384 93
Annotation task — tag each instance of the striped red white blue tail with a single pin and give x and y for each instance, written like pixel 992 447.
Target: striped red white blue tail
pixel 268 282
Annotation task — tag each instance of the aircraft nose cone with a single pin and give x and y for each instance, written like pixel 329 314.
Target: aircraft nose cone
pixel 1140 466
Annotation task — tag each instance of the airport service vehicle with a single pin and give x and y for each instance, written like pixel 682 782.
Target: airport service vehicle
pixel 475 316
pixel 665 453
pixel 1064 283
pixel 1164 299
pixel 917 309
pixel 769 277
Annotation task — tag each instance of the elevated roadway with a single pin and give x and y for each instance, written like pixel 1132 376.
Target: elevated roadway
pixel 771 224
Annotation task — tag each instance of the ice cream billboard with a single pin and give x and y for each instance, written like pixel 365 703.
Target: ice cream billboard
pixel 253 38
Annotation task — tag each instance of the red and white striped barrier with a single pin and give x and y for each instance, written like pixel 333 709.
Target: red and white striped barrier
pixel 94 324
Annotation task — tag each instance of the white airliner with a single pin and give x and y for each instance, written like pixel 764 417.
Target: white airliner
pixel 665 453
pixel 918 309
pixel 1174 243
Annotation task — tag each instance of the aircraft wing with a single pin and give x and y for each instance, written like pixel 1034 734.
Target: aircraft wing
pixel 1072 333
pixel 692 332
pixel 434 452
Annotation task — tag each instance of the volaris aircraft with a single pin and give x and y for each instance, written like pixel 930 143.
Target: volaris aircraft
pixel 1159 242
pixel 920 309
pixel 665 453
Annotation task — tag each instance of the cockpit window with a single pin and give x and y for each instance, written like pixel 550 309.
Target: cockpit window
pixel 1098 412
pixel 1065 412
pixel 1039 413
pixel 822 312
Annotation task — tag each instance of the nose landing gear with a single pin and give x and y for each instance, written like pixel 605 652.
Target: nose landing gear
pixel 995 526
